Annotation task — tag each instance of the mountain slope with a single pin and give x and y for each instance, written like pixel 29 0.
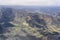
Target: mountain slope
pixel 22 24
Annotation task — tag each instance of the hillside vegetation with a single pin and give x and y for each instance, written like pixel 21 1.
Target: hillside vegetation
pixel 21 24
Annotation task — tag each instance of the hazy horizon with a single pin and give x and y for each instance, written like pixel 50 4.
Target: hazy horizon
pixel 31 2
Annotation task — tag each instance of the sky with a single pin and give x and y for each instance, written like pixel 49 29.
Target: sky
pixel 31 2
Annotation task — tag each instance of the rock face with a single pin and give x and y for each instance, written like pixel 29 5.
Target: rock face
pixel 18 24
